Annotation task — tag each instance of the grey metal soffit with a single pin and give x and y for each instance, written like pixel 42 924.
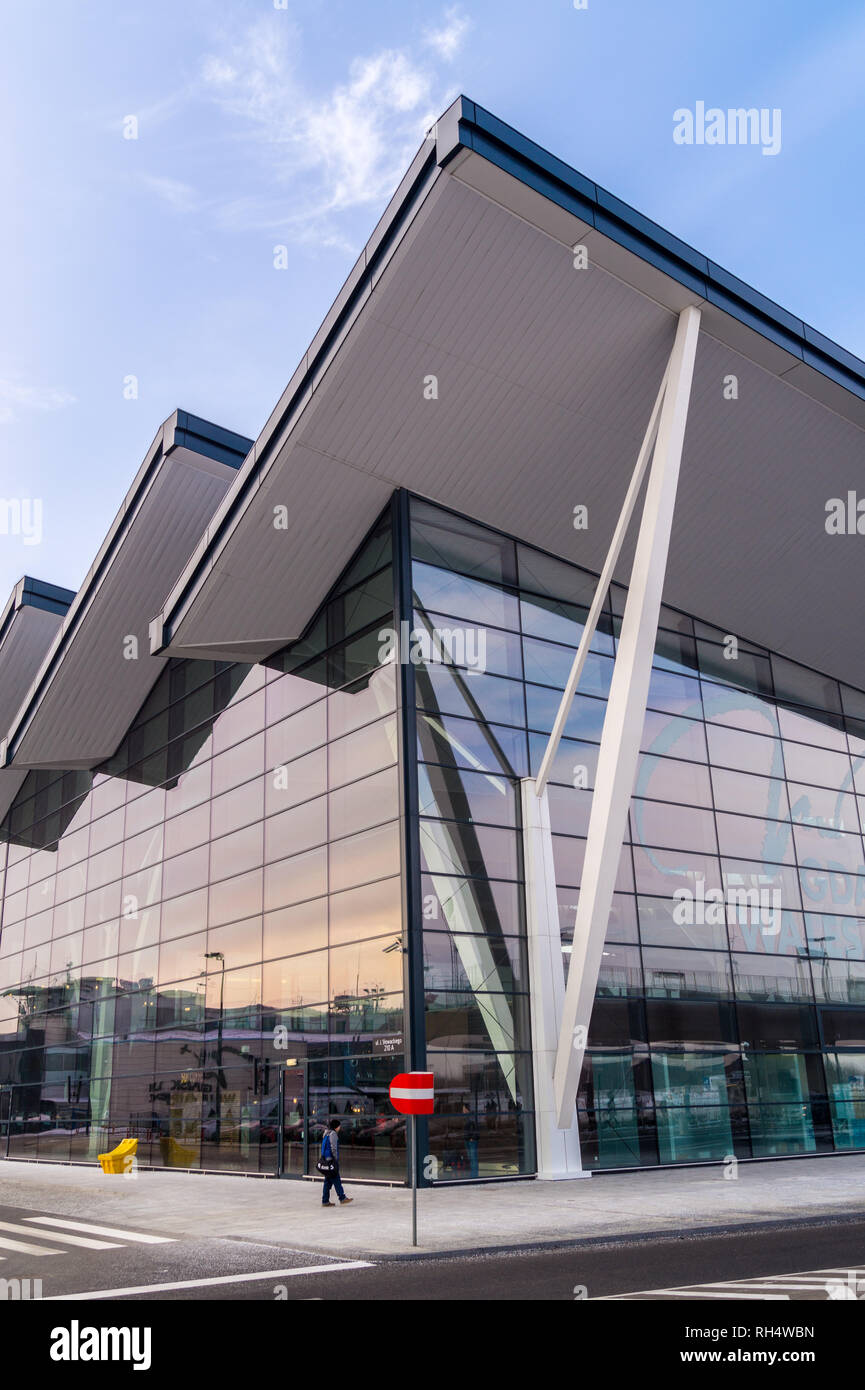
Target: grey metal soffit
pixel 28 626
pixel 98 669
pixel 545 377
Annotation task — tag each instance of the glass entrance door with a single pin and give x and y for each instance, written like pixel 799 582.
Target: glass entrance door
pixel 5 1119
pixel 293 1111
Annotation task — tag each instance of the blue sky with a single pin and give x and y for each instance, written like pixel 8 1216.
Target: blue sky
pixel 261 126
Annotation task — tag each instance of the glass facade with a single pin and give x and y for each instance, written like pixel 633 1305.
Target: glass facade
pixel 294 880
pixel 730 1011
pixel 201 940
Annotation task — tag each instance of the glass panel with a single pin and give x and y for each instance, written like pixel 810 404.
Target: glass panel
pixel 782 1129
pixel 659 925
pixel 464 598
pixel 462 795
pixel 739 709
pixel 687 974
pixel 836 936
pixel 291 832
pixel 823 808
pixel 288 784
pixel 365 968
pixel 803 686
pixel 470 694
pixel 558 621
pixel 456 961
pixel 818 766
pixel 452 542
pixel 585 717
pixel 673 736
pixel 778 979
pixel 829 849
pixel 666 826
pixel 290 930
pixel 448 847
pixel 464 743
pixel 845 1076
pixel 362 804
pixel 366 857
pixel 616 1118
pixel 299 980
pixel 296 879
pixel 743 751
pixel 360 753
pixel 471 905
pixel 750 837
pixel 365 912
pixel 758 796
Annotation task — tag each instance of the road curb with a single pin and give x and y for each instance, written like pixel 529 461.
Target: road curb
pixel 735 1228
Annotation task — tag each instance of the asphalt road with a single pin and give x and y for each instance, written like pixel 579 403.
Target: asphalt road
pixel 79 1260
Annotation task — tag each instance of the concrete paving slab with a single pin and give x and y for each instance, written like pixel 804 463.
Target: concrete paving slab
pixel 490 1216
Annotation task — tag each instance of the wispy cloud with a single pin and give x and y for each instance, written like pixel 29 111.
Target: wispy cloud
pixel 816 89
pixel 17 397
pixel 178 195
pixel 448 40
pixel 326 153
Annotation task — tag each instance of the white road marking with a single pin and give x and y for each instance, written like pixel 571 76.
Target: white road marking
pixel 782 1286
pixel 208 1283
pixel 83 1241
pixel 100 1230
pixel 695 1292
pixel 23 1249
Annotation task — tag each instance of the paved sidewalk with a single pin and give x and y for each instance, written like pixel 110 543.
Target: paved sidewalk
pixel 449 1219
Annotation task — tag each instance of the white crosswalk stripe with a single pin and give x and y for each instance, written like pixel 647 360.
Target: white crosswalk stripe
pixel 61 1237
pixel 22 1248
pixel 135 1237
pixel 55 1235
pixel 814 1285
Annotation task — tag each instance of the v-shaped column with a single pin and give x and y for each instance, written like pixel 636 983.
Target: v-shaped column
pixel 626 707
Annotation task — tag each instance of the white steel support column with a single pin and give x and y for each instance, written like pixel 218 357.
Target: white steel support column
pixel 558 1149
pixel 623 724
pixel 600 594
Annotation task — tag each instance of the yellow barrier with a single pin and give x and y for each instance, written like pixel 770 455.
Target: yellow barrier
pixel 118 1160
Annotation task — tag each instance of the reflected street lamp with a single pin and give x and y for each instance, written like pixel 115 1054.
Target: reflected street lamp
pixel 218 955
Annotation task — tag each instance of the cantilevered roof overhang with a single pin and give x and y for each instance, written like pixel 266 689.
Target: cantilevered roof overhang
pixel 78 705
pixel 28 626
pixel 545 375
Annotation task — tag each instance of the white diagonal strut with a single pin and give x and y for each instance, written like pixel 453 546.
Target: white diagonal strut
pixel 603 585
pixel 623 723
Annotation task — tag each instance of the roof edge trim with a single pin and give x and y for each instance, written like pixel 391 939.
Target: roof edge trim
pixel 34 593
pixel 473 128
pixel 179 430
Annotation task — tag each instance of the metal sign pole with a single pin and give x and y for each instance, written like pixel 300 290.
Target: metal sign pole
pixel 280 1122
pixel 414 1179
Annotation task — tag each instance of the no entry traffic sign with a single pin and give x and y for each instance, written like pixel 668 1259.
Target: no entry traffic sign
pixel 411 1093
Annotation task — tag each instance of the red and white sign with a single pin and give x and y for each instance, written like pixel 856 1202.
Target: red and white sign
pixel 411 1093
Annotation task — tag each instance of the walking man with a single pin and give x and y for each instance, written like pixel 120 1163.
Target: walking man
pixel 472 1135
pixel 330 1153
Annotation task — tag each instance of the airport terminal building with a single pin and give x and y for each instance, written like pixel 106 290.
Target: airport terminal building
pixel 386 742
